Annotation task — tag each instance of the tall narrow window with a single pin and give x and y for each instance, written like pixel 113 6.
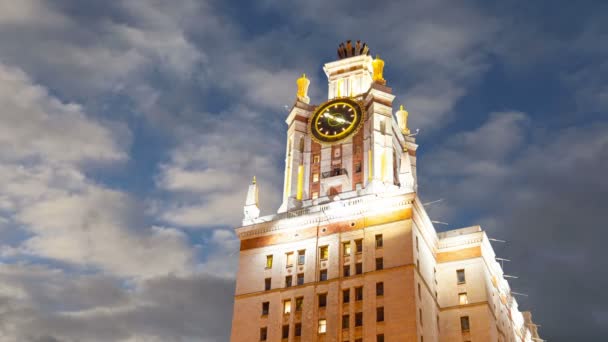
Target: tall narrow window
pixel 301 257
pixel 460 276
pixel 263 334
pixel 299 303
pixel 322 326
pixel 380 338
pixel 380 289
pixel 288 281
pixel 419 292
pixel 346 270
pixel 322 300
pixel 379 263
pixel 464 323
pixel 379 242
pixel 358 293
pixel 289 257
pixel 287 307
pixel 345 296
pixel 315 195
pixel 359 245
pixel 359 268
pixel 380 314
pixel 346 248
pixel 417 245
pixel 316 159
pixel 345 321
pixel 323 252
pixel 298 329
pixel 358 319
pixel 267 284
pixel 358 167
pixel 286 331
pixel 300 278
pixel 315 177
pixel 269 261
pixel 322 275
pixel 462 298
pixel 420 315
pixel 265 308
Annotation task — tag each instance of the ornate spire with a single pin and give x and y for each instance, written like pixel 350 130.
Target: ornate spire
pixel 402 115
pixel 378 65
pixel 303 84
pixel 251 209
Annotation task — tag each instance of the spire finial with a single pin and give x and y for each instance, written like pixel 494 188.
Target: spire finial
pixel 402 115
pixel 253 181
pixel 378 66
pixel 303 84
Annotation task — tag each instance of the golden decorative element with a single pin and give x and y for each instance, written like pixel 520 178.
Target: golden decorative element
pixel 378 65
pixel 253 182
pixel 300 182
pixel 353 129
pixel 303 84
pixel 402 115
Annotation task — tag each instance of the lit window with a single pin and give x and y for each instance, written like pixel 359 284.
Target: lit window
pixel 380 314
pixel 315 195
pixel 301 257
pixel 269 261
pixel 358 319
pixel 299 303
pixel 324 252
pixel 265 308
pixel 289 259
pixel 346 296
pixel 359 245
pixel 315 177
pixel 358 268
pixel 300 278
pixel 460 276
pixel 462 298
pixel 464 323
pixel 287 307
pixel 322 300
pixel 322 326
pixel 379 263
pixel 316 158
pixel 263 334
pixel 267 284
pixel 345 321
pixel 322 275
pixel 380 289
pixel 379 242
pixel 358 293
pixel 346 248
pixel 298 329
pixel 286 331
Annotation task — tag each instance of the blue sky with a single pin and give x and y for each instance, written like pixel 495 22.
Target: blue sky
pixel 129 132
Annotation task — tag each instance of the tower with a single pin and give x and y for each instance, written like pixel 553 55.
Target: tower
pixel 351 254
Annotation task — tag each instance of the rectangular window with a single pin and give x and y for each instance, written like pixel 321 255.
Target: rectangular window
pixel 289 257
pixel 288 281
pixel 316 158
pixel 359 340
pixel 462 298
pixel 358 293
pixel 322 326
pixel 417 246
pixel 359 319
pixel 301 257
pixel 358 268
pixel 358 167
pixel 380 314
pixel 298 329
pixel 380 289
pixel 287 307
pixel 346 270
pixel 380 338
pixel 299 303
pixel 460 276
pixel 323 252
pixel 315 177
pixel 315 195
pixel 464 323
pixel 267 284
pixel 420 316
pixel 345 321
pixel 265 308
pixel 346 248
pixel 379 263
pixel 345 296
pixel 322 275
pixel 322 300
pixel 263 334
pixel 300 278
pixel 359 245
pixel 286 331
pixel 269 261
pixel 379 242
pixel 419 292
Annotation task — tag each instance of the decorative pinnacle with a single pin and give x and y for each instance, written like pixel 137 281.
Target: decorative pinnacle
pixel 253 182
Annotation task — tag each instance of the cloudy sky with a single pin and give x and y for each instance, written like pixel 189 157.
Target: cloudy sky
pixel 130 129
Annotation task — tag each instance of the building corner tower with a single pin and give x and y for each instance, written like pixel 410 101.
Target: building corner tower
pixel 351 254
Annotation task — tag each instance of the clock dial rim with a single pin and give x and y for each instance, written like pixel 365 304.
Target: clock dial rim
pixel 352 129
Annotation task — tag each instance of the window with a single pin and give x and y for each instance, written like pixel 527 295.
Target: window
pixel 322 326
pixel 379 263
pixel 346 270
pixel 380 338
pixel 380 314
pixel 379 241
pixel 288 281
pixel 345 321
pixel 359 340
pixel 298 329
pixel 358 293
pixel 301 257
pixel 322 300
pixel 346 248
pixel 359 245
pixel 267 284
pixel 464 323
pixel 337 152
pixel 418 264
pixel 322 275
pixel 316 158
pixel 265 308
pixel 286 331
pixel 419 292
pixel 315 195
pixel 289 259
pixel 346 296
pixel 460 276
pixel 315 177
pixel 420 315
pixel 287 307
pixel 462 298
pixel 269 261
pixel 358 268
pixel 324 252
pixel 300 278
pixel 263 334
pixel 438 325
pixel 358 167
pixel 299 303
pixel 380 289
pixel 359 319
pixel 417 246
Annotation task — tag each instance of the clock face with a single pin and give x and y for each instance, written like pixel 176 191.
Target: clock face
pixel 336 120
